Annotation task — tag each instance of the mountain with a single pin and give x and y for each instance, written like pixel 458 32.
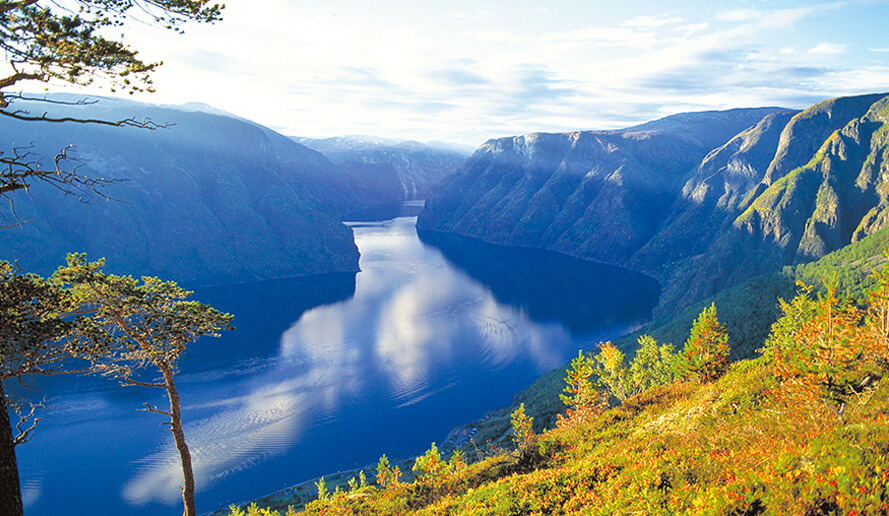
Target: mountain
pixel 701 201
pixel 599 195
pixel 210 199
pixel 461 149
pixel 416 166
pixel 823 189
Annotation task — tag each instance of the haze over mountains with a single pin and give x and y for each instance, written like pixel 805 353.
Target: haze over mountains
pixel 413 166
pixel 211 199
pixel 700 201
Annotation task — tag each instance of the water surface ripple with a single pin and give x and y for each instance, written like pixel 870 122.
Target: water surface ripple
pixel 327 373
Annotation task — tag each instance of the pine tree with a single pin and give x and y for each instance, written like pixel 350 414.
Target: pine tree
pixel 386 474
pixel 522 427
pixel 580 395
pixel 705 356
pixel 140 325
pixel 820 348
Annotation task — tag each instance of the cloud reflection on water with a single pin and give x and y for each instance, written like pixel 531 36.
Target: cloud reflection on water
pixel 414 325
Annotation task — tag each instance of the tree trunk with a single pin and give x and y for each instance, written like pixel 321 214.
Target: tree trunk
pixel 10 490
pixel 179 437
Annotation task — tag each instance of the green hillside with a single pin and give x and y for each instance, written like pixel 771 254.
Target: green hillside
pixel 730 447
pixel 748 443
pixel 801 430
pixel 823 189
pixel 748 311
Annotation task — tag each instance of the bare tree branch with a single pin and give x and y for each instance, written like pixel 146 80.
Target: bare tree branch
pixel 143 384
pixel 145 123
pixel 84 101
pixel 23 434
pixel 156 410
pixel 20 170
pixel 14 78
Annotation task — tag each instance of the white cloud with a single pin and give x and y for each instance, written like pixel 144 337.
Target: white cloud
pixel 828 49
pixel 691 28
pixel 479 15
pixel 429 72
pixel 652 21
pixel 738 15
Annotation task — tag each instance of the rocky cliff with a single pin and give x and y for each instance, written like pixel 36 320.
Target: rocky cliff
pixel 600 195
pixel 701 201
pixel 823 189
pixel 416 166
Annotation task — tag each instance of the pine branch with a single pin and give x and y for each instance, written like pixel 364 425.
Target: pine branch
pixel 143 384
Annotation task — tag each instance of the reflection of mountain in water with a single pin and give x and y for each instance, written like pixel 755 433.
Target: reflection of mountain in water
pixel 326 372
pixel 264 310
pixel 549 286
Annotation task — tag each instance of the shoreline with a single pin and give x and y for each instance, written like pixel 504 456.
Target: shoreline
pixel 302 493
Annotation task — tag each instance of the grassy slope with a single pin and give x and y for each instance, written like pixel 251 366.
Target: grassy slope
pixel 748 311
pixel 730 447
pixel 724 448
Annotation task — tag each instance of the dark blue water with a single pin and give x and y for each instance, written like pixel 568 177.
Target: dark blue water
pixel 329 373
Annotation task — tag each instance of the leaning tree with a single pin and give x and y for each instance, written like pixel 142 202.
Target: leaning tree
pixel 47 41
pixel 36 317
pixel 136 325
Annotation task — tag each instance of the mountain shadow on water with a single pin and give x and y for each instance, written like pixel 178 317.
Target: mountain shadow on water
pixel 264 310
pixel 552 287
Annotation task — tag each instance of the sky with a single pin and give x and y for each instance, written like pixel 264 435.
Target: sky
pixel 467 71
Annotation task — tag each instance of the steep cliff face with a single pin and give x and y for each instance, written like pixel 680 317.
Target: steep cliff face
pixel 807 132
pixel 600 195
pixel 714 195
pixel 417 166
pixel 209 200
pixel 700 201
pixel 875 170
pixel 836 197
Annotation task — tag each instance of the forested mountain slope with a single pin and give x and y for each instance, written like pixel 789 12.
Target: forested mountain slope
pixel 700 201
pixel 210 199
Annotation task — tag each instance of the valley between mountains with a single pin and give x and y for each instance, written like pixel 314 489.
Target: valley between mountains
pixel 732 209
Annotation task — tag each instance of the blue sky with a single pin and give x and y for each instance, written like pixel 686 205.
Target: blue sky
pixel 466 71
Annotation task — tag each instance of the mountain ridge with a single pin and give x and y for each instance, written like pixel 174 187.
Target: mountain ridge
pixel 656 199
pixel 585 175
pixel 416 166
pixel 208 200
